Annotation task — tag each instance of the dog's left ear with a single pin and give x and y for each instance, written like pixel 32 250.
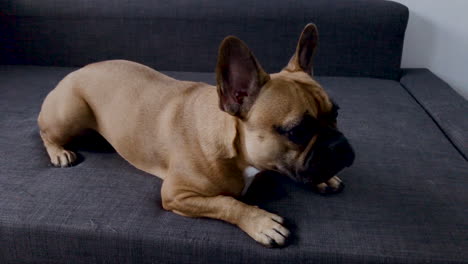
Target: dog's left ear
pixel 305 50
pixel 239 77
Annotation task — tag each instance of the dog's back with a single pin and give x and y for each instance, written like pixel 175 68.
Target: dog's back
pixel 119 99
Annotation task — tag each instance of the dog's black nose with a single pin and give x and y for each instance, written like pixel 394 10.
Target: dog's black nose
pixel 340 150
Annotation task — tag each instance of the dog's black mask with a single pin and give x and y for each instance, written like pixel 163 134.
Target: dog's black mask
pixel 331 153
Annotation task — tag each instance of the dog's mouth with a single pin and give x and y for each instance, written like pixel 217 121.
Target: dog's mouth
pixel 321 172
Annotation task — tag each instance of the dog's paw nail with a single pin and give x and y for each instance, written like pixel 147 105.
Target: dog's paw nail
pixel 340 188
pixel 271 241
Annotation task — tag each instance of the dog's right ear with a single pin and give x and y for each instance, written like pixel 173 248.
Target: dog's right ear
pixel 239 77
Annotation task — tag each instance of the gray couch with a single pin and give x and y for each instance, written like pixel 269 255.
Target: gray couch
pixel 405 199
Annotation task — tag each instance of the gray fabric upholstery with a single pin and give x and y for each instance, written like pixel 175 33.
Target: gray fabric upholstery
pixel 404 202
pixel 444 105
pixel 357 38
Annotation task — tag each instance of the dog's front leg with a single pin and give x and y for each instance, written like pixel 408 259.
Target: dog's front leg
pixel 266 228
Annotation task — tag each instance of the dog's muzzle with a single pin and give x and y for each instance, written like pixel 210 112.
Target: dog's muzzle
pixel 330 154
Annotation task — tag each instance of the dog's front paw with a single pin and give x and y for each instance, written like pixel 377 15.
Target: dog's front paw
pixel 266 228
pixel 333 185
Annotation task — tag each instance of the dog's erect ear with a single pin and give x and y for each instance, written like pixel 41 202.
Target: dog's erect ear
pixel 239 77
pixel 305 50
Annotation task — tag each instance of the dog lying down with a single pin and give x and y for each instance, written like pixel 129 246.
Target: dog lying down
pixel 205 142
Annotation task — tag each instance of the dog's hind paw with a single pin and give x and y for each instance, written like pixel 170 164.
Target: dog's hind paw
pixel 63 158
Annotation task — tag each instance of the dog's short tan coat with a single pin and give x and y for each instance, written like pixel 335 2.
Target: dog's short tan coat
pixel 175 129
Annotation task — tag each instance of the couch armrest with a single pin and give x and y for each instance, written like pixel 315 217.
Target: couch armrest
pixel 445 106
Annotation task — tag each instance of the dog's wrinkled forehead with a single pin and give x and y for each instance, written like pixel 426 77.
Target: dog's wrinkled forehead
pixel 288 97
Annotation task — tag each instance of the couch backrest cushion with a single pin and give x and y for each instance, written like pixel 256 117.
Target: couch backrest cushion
pixel 357 38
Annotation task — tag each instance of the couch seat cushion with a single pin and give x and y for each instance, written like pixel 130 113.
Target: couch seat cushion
pixel 404 201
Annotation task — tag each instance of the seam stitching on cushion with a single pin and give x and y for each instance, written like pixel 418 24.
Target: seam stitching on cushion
pixel 435 121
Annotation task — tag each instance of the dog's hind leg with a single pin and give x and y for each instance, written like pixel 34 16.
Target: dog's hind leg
pixel 64 115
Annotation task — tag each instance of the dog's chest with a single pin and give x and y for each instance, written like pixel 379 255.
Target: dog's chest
pixel 249 175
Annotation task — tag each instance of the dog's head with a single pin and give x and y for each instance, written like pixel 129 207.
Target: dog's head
pixel 287 122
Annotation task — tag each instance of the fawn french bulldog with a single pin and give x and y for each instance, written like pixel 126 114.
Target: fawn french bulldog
pixel 205 142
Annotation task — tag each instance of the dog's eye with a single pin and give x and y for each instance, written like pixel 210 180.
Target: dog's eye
pixel 299 137
pixel 302 133
pixel 330 117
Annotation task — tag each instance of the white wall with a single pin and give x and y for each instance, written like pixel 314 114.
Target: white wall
pixel 437 39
